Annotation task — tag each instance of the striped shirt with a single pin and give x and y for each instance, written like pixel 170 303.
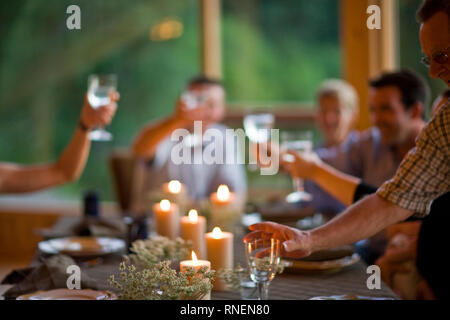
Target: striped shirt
pixel 424 174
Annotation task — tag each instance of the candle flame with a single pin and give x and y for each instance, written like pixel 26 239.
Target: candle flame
pixel 217 233
pixel 165 205
pixel 223 193
pixel 194 256
pixel 193 215
pixel 174 186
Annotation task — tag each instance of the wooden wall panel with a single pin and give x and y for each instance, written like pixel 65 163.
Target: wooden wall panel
pixel 366 53
pixel 211 38
pixel 18 239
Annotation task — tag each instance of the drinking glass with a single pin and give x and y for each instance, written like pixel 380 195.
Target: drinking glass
pixel 99 88
pixel 300 142
pixel 257 128
pixel 193 99
pixel 248 289
pixel 263 258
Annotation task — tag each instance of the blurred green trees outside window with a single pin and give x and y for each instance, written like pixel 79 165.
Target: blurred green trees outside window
pixel 274 52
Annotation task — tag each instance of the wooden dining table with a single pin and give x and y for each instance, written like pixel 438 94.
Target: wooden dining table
pixel 350 280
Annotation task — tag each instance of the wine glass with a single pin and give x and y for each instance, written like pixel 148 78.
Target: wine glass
pixel 257 128
pixel 263 258
pixel 192 100
pixel 99 88
pixel 300 142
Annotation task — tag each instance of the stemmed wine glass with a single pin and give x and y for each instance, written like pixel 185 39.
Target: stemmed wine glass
pixel 99 89
pixel 192 100
pixel 263 258
pixel 257 128
pixel 300 142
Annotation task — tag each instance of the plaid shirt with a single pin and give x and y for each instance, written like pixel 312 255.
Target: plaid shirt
pixel 424 173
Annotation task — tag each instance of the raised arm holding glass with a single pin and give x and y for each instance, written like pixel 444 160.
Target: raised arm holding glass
pixel 15 178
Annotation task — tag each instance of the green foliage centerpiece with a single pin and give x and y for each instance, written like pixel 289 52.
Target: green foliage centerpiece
pixel 150 273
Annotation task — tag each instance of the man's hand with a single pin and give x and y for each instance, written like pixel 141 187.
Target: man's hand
pixel 264 152
pixel 295 243
pixel 410 228
pixel 300 165
pixel 400 249
pixel 101 116
pixel 424 291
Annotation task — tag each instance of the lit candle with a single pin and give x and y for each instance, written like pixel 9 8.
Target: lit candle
pixel 225 211
pixel 167 219
pixel 223 196
pixel 193 227
pixel 176 192
pixel 196 264
pixel 219 247
pixel 174 187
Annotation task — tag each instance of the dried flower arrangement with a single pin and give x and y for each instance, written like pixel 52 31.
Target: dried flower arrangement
pixel 146 274
pixel 233 277
pixel 157 249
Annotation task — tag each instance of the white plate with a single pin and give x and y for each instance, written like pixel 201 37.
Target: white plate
pixel 82 246
pixel 328 265
pixel 67 294
pixel 350 297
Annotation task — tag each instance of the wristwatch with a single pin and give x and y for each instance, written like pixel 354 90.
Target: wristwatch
pixel 83 126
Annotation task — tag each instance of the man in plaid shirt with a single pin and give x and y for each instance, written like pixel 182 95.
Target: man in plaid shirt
pixel 423 175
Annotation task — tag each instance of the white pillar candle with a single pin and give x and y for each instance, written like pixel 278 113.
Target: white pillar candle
pixel 193 227
pixel 174 187
pixel 225 210
pixel 223 196
pixel 219 247
pixel 167 219
pixel 176 193
pixel 196 264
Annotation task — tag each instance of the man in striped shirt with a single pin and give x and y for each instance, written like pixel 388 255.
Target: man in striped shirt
pixel 423 175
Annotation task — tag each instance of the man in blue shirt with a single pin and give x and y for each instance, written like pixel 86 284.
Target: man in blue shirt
pixel 397 101
pixel 156 145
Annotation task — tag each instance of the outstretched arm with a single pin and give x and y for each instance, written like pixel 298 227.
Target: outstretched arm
pixel 18 179
pixel 360 221
pixel 308 166
pixel 148 139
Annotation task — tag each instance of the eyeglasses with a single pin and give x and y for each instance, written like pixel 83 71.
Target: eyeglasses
pixel 440 57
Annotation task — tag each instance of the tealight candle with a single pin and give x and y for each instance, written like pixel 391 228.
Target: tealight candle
pixel 167 218
pixel 196 264
pixel 176 192
pixel 193 227
pixel 219 247
pixel 225 211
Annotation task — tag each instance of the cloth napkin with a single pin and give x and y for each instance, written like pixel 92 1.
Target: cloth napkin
pixel 49 273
